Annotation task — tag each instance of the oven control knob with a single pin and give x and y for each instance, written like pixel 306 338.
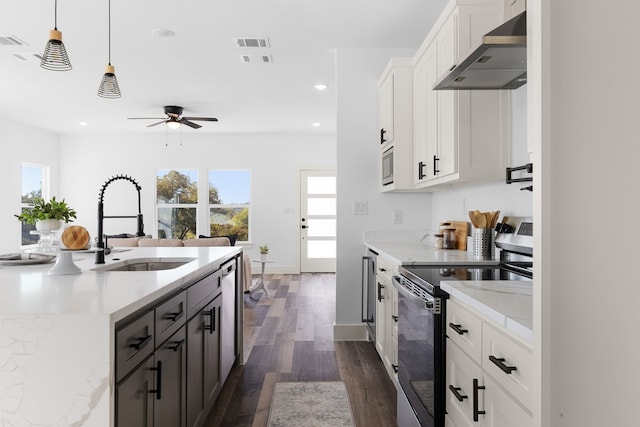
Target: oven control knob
pixel 504 228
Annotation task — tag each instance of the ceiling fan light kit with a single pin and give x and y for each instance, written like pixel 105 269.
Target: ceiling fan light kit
pixel 109 85
pixel 55 56
pixel 175 119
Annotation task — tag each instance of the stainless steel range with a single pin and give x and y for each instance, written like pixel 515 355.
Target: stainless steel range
pixel 422 314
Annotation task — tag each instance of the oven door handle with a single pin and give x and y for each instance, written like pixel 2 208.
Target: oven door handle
pixel 428 300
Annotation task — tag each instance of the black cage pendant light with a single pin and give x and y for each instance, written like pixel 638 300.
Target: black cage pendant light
pixel 55 56
pixel 109 86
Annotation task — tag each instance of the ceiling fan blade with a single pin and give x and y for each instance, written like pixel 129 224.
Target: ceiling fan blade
pixel 157 123
pixel 190 124
pixel 204 119
pixel 145 118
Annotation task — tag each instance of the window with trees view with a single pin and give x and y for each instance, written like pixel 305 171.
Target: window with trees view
pixel 177 203
pixel 229 197
pixel 34 185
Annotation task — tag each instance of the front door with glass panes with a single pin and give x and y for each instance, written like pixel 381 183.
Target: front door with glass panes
pixel 317 221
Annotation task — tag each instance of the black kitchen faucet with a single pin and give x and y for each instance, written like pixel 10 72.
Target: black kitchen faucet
pixel 101 244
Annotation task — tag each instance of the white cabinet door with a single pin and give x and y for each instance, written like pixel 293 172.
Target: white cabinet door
pixel 502 410
pixel 386 110
pixel 425 104
pixel 445 161
pixel 461 371
pixel 381 319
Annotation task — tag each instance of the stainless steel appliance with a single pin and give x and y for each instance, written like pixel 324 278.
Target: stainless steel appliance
pixel 422 314
pixel 387 167
pixel 369 292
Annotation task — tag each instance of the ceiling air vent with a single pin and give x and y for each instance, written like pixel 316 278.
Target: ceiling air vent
pixel 11 41
pixel 255 59
pixel 252 42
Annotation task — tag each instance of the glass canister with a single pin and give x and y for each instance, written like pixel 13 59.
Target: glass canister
pixel 449 238
pixel 438 241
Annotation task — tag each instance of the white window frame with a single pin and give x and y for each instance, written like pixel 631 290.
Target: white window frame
pixel 45 179
pixel 175 205
pixel 230 205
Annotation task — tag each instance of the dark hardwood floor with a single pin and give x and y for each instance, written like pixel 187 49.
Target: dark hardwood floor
pixel 288 337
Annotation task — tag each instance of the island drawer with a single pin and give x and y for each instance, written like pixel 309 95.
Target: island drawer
pixel 170 316
pixel 202 292
pixel 134 342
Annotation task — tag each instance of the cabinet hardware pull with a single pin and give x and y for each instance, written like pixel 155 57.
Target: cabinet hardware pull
pixel 395 318
pixel 158 389
pixel 175 316
pixel 177 345
pixel 380 287
pixel 421 174
pixel 452 67
pixel 456 393
pixel 458 328
pixel 382 132
pixel 435 165
pixel 142 342
pixel 476 387
pixel 382 270
pixel 211 328
pixel 499 362
pixel 395 368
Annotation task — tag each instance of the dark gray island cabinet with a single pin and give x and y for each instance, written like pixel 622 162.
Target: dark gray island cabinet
pixel 170 362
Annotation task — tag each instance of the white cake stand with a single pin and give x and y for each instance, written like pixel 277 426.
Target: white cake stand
pixel 64 262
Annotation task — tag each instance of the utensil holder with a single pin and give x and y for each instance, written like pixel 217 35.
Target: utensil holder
pixel 483 243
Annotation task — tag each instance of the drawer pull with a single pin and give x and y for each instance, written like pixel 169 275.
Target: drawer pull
pixel 177 345
pixel 175 316
pixel 499 362
pixel 395 368
pixel 142 342
pixel 158 389
pixel 458 328
pixel 476 411
pixel 456 393
pixel 380 288
pixel 395 318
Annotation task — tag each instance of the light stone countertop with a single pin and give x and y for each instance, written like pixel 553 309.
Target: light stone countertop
pixel 508 303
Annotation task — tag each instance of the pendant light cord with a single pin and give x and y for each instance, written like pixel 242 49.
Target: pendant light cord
pixel 109 32
pixel 55 16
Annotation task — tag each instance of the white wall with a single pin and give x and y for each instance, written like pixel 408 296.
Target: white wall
pixel 21 143
pixel 358 174
pixel 274 161
pixel 586 289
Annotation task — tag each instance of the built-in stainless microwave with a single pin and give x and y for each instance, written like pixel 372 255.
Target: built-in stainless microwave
pixel 387 167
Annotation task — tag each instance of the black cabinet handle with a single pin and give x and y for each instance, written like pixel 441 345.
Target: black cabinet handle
pixel 395 368
pixel 458 328
pixel 175 316
pixel 380 287
pixel 421 173
pixel 499 362
pixel 212 327
pixel 476 412
pixel 142 342
pixel 456 393
pixel 177 345
pixel 395 318
pixel 158 389
pixel 382 132
pixel 435 165
pixel 382 270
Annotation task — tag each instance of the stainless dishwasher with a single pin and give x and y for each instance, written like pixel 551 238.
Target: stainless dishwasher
pixel 228 350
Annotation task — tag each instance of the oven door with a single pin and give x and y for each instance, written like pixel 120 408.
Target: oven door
pixel 420 351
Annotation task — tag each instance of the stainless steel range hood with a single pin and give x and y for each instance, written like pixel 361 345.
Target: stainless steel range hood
pixel 499 63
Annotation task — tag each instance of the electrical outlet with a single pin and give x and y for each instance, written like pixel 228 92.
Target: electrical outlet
pixel 397 217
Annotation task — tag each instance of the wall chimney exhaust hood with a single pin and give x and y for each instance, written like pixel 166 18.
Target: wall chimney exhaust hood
pixel 500 62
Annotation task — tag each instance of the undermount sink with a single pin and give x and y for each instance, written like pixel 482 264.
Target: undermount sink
pixel 146 264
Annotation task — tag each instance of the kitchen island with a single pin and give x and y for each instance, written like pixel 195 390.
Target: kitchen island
pixel 58 332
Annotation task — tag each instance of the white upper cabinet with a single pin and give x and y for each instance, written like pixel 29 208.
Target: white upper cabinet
pixel 395 133
pixel 458 135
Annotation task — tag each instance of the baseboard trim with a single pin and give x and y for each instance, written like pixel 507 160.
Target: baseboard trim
pixel 356 332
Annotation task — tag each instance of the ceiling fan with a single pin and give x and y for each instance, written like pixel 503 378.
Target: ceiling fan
pixel 175 119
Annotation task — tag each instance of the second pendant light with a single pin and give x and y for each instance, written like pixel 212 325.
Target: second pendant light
pixel 109 85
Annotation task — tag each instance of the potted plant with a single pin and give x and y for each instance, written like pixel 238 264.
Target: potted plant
pixel 264 250
pixel 47 216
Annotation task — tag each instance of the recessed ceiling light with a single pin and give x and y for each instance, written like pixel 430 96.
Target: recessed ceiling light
pixel 320 86
pixel 316 124
pixel 162 32
pixel 83 124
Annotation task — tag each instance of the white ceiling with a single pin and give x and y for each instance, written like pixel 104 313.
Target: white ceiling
pixel 200 67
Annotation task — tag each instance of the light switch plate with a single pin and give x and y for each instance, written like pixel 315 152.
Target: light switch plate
pixel 360 207
pixel 397 217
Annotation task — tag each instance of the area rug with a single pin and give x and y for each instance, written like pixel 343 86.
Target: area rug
pixel 310 404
